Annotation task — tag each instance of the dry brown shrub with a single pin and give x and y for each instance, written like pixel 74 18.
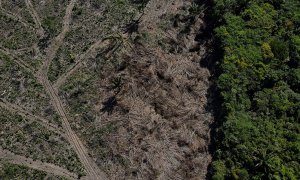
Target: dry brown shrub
pixel 159 109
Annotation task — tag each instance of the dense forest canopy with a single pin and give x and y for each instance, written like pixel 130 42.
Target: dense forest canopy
pixel 259 83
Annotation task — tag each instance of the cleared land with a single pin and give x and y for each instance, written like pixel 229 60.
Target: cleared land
pixel 104 89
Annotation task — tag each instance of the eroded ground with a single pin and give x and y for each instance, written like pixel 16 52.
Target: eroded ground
pixel 104 89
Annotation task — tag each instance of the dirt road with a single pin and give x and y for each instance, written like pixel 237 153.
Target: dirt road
pixel 90 166
pixel 16 18
pixel 31 117
pixel 58 40
pixel 47 167
pixel 35 17
pixel 79 62
pixel 21 63
pixel 93 172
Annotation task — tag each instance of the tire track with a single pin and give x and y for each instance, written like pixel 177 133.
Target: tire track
pixel 18 61
pixel 42 121
pixel 38 165
pixel 58 40
pixel 79 62
pixel 90 166
pixel 35 17
pixel 15 17
pixel 93 172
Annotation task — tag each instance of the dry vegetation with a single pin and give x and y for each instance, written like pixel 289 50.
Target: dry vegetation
pixel 126 77
pixel 142 110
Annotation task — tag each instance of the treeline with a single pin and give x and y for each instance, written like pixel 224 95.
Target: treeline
pixel 259 84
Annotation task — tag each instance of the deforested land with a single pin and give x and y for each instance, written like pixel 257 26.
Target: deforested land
pixel 149 89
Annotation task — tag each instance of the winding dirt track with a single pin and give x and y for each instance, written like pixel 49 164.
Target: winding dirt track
pixel 15 17
pixel 35 17
pixel 44 122
pixel 58 40
pixel 79 62
pixel 18 61
pixel 49 168
pixel 93 172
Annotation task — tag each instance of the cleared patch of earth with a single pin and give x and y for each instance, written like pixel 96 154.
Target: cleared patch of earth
pixel 128 90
